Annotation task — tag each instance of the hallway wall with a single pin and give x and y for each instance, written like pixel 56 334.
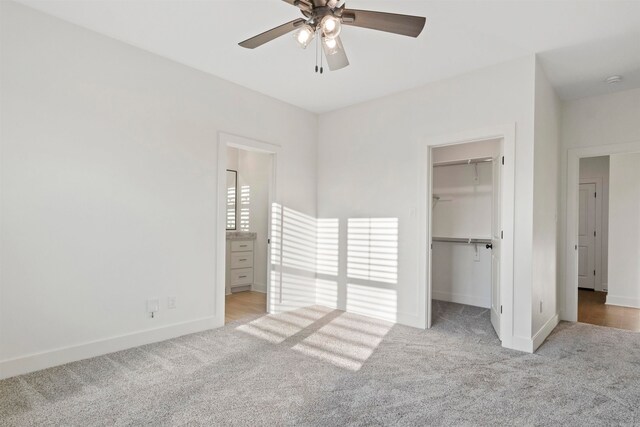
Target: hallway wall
pixel 624 236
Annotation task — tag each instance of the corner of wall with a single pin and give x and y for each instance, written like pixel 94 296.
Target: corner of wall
pixel 546 329
pixel 546 180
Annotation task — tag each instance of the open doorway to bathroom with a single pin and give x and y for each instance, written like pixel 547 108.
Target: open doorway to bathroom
pixel 248 185
pixel 608 241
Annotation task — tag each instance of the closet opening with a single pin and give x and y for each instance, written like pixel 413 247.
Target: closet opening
pixel 466 233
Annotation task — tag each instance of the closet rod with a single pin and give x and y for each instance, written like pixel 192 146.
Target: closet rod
pixel 464 162
pixel 461 240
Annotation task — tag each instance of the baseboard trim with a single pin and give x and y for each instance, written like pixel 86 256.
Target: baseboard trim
pixel 623 301
pixel 35 362
pixel 530 345
pixel 544 332
pixel 259 287
pixel 461 299
pixel 518 343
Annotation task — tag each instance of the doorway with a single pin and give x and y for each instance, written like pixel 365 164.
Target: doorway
pixel 603 217
pixel 470 263
pixel 245 197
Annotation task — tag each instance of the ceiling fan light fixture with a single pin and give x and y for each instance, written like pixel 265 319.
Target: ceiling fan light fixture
pixel 331 45
pixel 304 36
pixel 331 26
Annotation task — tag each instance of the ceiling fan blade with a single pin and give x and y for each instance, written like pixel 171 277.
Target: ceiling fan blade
pixel 337 57
pixel 301 4
pixel 405 25
pixel 273 33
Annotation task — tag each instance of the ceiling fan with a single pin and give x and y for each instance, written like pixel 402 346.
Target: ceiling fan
pixel 325 19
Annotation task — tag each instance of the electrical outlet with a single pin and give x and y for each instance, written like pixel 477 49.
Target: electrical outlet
pixel 153 306
pixel 171 303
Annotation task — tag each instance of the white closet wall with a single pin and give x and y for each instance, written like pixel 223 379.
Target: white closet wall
pixel 461 273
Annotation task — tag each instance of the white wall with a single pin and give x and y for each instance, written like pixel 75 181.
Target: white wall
pixel 545 208
pixel 370 162
pixel 598 167
pixel 462 273
pixel 601 120
pixel 624 235
pixel 109 188
pixel 598 121
pixel 464 207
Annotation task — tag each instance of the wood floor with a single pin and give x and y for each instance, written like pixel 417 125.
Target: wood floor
pixel 592 309
pixel 243 304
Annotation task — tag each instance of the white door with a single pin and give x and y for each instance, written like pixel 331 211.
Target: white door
pixel 587 236
pixel 496 306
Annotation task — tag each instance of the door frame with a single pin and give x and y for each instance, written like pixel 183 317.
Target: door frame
pixel 598 238
pixel 226 140
pixel 570 284
pixel 507 133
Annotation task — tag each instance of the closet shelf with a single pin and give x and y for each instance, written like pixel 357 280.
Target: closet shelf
pixel 467 240
pixel 464 162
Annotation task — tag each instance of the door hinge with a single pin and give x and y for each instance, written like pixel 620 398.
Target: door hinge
pixel 594 272
pixel 500 309
pixel 502 234
pixel 595 194
pixel 576 247
pixel 503 160
pixel 268 241
pixel 594 233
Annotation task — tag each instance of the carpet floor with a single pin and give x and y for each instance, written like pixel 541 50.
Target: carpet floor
pixel 317 366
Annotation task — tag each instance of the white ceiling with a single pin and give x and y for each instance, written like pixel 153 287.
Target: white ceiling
pixel 580 43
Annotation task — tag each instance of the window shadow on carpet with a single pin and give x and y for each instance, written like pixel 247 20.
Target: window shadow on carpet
pixel 342 339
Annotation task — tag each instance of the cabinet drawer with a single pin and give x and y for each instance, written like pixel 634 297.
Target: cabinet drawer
pixel 241 259
pixel 242 276
pixel 242 246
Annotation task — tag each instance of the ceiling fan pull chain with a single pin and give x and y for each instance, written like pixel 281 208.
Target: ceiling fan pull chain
pixel 321 57
pixel 316 52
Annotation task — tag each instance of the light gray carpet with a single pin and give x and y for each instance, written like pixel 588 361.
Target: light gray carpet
pixel 322 367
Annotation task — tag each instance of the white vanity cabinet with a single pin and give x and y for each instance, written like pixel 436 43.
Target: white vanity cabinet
pixel 239 262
